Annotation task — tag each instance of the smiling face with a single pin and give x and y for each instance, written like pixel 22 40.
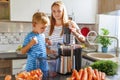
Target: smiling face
pixel 57 12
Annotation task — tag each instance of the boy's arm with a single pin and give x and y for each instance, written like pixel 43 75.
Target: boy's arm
pixel 25 49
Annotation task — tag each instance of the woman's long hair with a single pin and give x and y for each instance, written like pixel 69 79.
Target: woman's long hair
pixel 64 19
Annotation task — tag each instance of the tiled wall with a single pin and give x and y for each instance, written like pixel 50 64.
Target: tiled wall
pixel 11 37
pixel 12 34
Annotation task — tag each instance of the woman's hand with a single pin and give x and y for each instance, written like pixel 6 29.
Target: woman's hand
pixel 50 51
pixel 72 25
pixel 76 32
pixel 48 41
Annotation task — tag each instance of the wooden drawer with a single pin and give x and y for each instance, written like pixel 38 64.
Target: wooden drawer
pixel 5 67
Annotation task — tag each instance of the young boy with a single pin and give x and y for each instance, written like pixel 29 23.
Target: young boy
pixel 34 43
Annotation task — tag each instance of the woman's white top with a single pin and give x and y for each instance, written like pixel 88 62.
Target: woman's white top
pixel 56 38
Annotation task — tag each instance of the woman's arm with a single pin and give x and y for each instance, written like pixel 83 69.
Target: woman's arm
pixel 78 35
pixel 25 49
pixel 76 32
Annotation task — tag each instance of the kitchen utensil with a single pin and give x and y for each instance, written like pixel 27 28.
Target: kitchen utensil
pixel 69 58
pixel 66 35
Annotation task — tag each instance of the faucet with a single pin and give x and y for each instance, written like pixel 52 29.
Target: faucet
pixel 93 32
pixel 117 47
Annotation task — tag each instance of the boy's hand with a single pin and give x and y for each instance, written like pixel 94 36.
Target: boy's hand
pixel 33 41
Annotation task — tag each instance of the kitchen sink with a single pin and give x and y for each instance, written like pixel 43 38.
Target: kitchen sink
pixel 102 56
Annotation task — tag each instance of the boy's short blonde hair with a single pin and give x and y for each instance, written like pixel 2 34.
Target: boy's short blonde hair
pixel 40 17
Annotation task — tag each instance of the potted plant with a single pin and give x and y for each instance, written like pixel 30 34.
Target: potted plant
pixel 103 40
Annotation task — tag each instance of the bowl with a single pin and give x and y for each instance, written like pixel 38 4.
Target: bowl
pixel 102 56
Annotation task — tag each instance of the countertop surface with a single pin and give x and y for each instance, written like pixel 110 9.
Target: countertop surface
pixel 115 77
pixel 12 55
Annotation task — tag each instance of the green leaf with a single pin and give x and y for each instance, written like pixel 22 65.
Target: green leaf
pixel 107 66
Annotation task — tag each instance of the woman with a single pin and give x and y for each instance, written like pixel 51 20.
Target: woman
pixel 59 19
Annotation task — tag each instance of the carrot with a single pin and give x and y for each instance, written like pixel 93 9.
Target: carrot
pixel 77 77
pixel 90 76
pixel 8 77
pixel 73 73
pixel 97 74
pixel 103 76
pixel 80 73
pixel 85 74
pixel 71 78
pixel 94 77
pixel 100 74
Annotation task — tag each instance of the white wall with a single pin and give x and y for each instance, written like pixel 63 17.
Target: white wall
pixel 109 22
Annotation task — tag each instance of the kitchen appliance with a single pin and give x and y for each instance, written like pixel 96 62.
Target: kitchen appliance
pixel 66 35
pixel 69 58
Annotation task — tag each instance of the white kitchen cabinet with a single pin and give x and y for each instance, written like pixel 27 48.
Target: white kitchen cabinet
pixel 22 10
pixel 47 7
pixel 83 11
pixel 18 65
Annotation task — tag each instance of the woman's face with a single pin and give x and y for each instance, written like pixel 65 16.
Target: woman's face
pixel 57 12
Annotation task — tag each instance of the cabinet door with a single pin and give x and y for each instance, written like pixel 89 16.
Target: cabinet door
pixel 17 65
pixel 22 10
pixel 85 11
pixel 81 10
pixel 46 7
pixel 105 6
pixel 4 10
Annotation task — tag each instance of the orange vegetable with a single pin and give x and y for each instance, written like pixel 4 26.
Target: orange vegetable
pixel 77 77
pixel 8 77
pixel 97 74
pixel 85 74
pixel 103 76
pixel 80 73
pixel 100 75
pixel 90 73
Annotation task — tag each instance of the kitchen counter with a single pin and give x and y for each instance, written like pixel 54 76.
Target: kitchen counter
pixel 12 55
pixel 115 77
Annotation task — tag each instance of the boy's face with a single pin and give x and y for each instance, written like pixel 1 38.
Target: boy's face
pixel 39 27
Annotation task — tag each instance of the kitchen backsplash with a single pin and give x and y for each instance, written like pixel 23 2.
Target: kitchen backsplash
pixel 12 33
pixel 11 37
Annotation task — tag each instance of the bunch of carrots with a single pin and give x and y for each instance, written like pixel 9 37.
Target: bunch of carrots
pixel 87 74
pixel 32 75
